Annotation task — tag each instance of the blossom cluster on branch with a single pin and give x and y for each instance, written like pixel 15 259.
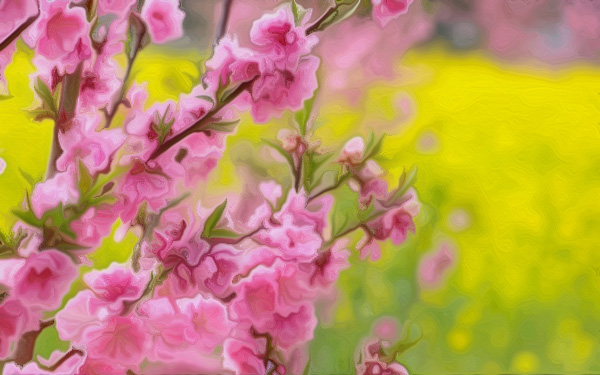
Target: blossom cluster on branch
pixel 225 289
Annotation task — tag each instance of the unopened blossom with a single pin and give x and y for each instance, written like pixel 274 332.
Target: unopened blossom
pixel 384 11
pixel 164 20
pixel 396 222
pixel 353 151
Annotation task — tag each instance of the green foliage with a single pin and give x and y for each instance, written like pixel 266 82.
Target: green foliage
pixel 213 219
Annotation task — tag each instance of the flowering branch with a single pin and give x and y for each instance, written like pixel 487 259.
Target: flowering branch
pixel 16 32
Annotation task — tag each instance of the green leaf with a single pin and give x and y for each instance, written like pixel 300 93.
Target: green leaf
pixel 223 127
pixel 213 219
pixel 407 180
pixel 27 217
pixel 206 98
pixel 135 35
pixel 29 178
pixel 373 146
pixel 303 115
pixel 86 181
pixel 280 150
pixel 298 12
pixel 45 95
pixel 223 233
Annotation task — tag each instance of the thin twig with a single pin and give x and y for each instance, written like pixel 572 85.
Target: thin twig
pixel 223 22
pixel 208 119
pixel 110 115
pixel 15 34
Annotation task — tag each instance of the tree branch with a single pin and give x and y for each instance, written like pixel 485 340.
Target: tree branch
pixel 16 32
pixel 222 29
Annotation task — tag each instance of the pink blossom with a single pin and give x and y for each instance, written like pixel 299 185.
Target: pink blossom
pixel 60 188
pixel 375 189
pixel 280 40
pixel 120 339
pixel 116 285
pixel 435 265
pixel 385 11
pixel 243 357
pixel 397 222
pixel 230 64
pixel 173 333
pixel 86 142
pixel 13 317
pixel 63 33
pixel 45 279
pixel 13 13
pixel 209 319
pixel 300 212
pixel 291 242
pixel 329 264
pixel 278 90
pixel 95 224
pixel 164 20
pixel 99 84
pixel 80 314
pixel 294 328
pixel 353 151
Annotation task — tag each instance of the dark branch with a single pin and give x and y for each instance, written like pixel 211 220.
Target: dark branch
pixel 223 22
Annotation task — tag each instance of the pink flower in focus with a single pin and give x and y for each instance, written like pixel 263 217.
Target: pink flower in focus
pixel 83 141
pixel 64 36
pixel 209 320
pixel 60 188
pixel 80 315
pixel 164 20
pixel 294 328
pixel 433 267
pixel 280 40
pixel 116 284
pixel 230 64
pixel 385 11
pixel 172 332
pixel 45 279
pixel 278 90
pixel 95 224
pixel 119 339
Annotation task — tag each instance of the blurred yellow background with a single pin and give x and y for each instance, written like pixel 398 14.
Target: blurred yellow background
pixel 509 173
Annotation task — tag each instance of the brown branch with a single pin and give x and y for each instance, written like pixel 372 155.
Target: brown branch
pixel 64 358
pixel 223 22
pixel 15 34
pixel 208 119
pixel 26 344
pixel 110 115
pixel 69 93
pixel 318 23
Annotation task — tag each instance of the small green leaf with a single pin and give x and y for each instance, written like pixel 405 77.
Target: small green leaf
pixel 373 146
pixel 28 218
pixel 223 127
pixel 303 115
pixel 213 219
pixel 298 12
pixel 206 98
pixel 86 181
pixel 280 150
pixel 135 35
pixel 223 233
pixel 45 95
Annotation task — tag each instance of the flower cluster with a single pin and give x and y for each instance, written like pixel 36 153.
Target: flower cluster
pixel 232 288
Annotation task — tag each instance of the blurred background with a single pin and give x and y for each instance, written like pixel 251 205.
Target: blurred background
pixel 497 103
